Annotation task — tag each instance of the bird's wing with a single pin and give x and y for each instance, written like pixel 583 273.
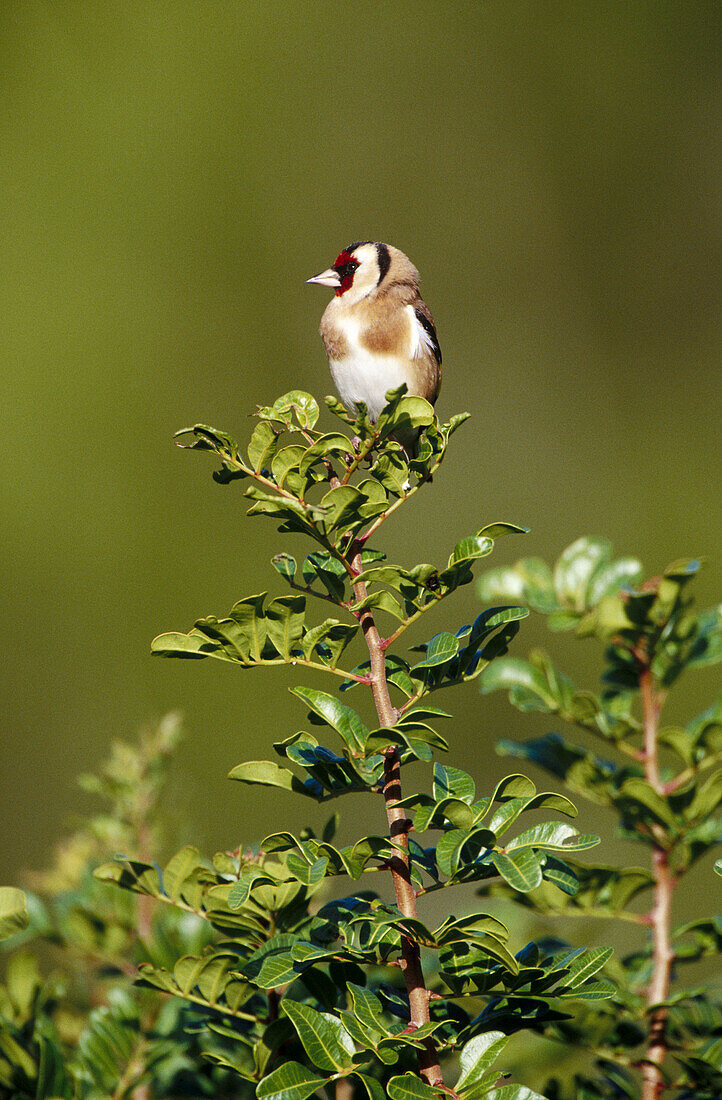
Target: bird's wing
pixel 426 339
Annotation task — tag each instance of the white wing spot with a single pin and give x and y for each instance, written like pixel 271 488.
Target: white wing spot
pixel 421 342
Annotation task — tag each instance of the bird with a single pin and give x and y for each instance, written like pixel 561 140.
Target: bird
pixel 377 329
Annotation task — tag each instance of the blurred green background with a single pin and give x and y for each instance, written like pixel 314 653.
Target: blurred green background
pixel 171 173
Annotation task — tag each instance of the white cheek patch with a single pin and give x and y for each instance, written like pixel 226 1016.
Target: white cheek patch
pixel 421 342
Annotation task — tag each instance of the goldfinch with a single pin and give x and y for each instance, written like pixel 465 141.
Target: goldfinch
pixel 378 331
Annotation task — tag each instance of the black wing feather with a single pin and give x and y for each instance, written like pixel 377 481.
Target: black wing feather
pixel 428 326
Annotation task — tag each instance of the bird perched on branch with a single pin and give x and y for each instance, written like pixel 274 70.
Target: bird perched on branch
pixel 378 331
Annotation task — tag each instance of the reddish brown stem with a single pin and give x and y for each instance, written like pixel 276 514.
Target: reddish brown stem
pixel 399 827
pixel 146 904
pixel 650 720
pixel 344 1089
pixel 661 915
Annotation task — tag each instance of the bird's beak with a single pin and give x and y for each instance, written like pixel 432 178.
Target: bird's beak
pixel 326 278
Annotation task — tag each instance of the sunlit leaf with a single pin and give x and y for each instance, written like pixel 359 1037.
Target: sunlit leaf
pixel 410 1087
pixel 294 405
pixel 333 713
pixel 291 1081
pixel 477 1057
pixel 324 1038
pixel 267 774
pixel 522 870
pixel 13 911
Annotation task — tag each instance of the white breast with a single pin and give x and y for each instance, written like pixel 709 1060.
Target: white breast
pixel 365 375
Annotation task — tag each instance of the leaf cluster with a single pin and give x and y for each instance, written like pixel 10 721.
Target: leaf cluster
pixel 332 977
pixel 664 783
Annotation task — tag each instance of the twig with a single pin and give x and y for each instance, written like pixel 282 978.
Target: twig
pixel 308 591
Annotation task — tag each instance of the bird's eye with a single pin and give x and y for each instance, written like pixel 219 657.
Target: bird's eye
pixel 347 270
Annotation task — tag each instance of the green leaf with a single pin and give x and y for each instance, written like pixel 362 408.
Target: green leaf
pixel 381 600
pixel 240 890
pixel 529 580
pixel 327 641
pixel 410 1087
pixel 453 782
pixel 442 648
pixel 528 686
pixel 497 530
pixel 367 1008
pixel 344 507
pixel 285 564
pixel 329 571
pixel 308 874
pixel 284 467
pixel 296 404
pixel 335 714
pixel 707 647
pixel 706 799
pixel 392 471
pixel 373 1087
pixel 683 568
pixel 404 417
pixel 718 867
pixel 262 446
pixel 13 911
pixel 515 1092
pixel 554 836
pixel 174 644
pixel 291 1081
pixel 284 622
pixel 576 567
pixel 267 774
pixel 638 790
pixel 238 638
pixel 592 991
pixel 53 1072
pixel 587 965
pixel 609 579
pixel 470 548
pixel 450 849
pixel 272 964
pixel 560 875
pixel 106 1043
pixel 325 447
pixel 248 614
pixel 477 1057
pixel 324 1038
pixel 513 787
pixel 474 926
pixel 522 870
pixel 181 868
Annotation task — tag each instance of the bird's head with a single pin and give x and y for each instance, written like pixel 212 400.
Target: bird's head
pixel 362 268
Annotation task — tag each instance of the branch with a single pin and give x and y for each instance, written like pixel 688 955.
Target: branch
pixel 412 619
pixel 399 826
pixel 309 664
pixel 308 591
pixel 363 452
pixel 660 917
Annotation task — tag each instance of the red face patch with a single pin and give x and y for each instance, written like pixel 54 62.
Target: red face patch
pixel 346 267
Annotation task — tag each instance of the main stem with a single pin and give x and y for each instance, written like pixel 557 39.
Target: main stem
pixel 399 826
pixel 661 915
